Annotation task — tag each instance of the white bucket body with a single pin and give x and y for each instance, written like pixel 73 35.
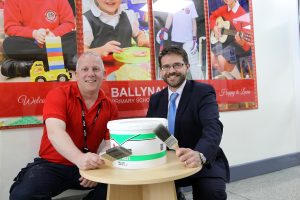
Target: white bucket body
pixel 137 134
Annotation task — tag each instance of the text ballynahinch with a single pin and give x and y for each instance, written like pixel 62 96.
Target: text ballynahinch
pixel 133 92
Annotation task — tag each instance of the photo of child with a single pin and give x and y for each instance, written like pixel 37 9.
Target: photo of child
pixel 112 30
pixel 25 36
pixel 230 39
pixel 184 26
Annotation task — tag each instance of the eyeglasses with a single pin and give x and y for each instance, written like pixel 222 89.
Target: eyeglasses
pixel 176 66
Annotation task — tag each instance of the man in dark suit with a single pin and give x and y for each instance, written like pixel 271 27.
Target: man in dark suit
pixel 197 126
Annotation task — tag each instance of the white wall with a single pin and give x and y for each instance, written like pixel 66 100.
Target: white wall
pixel 17 148
pixel 297 84
pixel 269 131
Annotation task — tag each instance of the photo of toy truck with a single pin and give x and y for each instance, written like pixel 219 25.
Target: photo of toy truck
pixel 38 73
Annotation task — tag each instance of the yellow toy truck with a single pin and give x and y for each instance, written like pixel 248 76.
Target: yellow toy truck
pixel 38 73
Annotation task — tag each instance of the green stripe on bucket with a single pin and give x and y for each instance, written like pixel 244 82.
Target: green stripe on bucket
pixel 121 139
pixel 145 157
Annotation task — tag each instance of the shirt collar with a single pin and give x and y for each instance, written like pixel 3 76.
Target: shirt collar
pixel 97 12
pixel 235 7
pixel 179 90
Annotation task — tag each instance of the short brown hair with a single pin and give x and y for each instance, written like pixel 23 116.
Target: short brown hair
pixel 173 50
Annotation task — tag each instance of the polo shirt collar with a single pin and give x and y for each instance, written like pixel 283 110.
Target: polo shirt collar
pixel 101 94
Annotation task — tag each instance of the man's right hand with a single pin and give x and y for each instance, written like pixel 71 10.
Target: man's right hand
pixel 89 161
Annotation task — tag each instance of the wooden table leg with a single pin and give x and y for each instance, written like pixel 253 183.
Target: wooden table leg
pixel 165 191
pixel 124 192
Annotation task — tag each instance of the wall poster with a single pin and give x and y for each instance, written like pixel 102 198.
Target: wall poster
pixel 128 35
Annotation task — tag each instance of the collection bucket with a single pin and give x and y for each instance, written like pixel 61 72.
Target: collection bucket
pixel 137 134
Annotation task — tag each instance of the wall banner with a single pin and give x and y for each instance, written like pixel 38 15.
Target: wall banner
pixel 217 35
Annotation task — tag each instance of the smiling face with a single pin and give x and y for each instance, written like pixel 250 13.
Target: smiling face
pixel 173 77
pixel 89 74
pixel 109 6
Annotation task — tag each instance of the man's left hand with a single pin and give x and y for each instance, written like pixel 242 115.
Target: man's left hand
pixel 189 157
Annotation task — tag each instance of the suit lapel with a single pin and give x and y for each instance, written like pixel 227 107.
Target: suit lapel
pixel 185 98
pixel 184 101
pixel 164 103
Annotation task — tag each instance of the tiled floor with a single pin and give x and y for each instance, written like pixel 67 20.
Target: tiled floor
pixel 280 185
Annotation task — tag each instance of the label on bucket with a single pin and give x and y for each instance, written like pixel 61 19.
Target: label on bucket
pixel 147 150
pixel 121 139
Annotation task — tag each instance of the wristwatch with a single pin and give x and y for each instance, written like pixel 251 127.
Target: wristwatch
pixel 202 158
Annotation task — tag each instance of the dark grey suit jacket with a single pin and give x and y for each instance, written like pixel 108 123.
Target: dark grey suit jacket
pixel 197 125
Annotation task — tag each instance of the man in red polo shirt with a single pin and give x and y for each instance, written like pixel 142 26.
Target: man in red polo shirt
pixel 75 117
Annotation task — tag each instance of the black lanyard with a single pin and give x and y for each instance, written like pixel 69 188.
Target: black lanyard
pixel 84 127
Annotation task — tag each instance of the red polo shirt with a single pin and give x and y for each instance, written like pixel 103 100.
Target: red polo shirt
pixel 64 103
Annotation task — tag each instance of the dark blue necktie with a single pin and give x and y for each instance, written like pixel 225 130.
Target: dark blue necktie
pixel 172 112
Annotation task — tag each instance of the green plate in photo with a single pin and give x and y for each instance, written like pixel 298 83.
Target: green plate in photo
pixel 133 55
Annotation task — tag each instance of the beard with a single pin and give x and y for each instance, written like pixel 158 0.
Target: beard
pixel 177 82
